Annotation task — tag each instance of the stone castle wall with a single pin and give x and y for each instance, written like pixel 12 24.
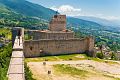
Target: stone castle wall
pixel 53 35
pixel 55 47
pixel 17 31
pixel 57 40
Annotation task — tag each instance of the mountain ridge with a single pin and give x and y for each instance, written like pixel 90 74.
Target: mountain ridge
pixel 99 20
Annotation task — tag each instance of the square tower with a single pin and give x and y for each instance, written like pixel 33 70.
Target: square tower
pixel 58 23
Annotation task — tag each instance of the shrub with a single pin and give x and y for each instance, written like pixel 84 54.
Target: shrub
pixel 100 55
pixel 113 56
pixel 5 54
pixel 28 73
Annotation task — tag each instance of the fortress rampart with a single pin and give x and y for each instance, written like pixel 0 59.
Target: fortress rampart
pixel 52 35
pixel 43 47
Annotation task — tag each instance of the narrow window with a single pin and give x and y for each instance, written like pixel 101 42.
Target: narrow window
pixel 31 48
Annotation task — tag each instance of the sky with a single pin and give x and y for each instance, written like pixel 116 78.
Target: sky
pixel 106 9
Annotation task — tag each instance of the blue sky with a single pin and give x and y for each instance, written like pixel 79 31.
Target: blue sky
pixel 107 9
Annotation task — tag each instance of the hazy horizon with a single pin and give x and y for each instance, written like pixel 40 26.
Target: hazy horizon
pixel 105 9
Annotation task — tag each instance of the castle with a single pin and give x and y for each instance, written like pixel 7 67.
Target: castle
pixel 56 40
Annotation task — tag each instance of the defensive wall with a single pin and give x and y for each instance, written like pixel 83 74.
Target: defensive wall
pixel 36 48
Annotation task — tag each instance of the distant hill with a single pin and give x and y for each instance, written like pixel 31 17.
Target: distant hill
pixel 83 23
pixel 29 9
pixel 100 21
pixel 10 17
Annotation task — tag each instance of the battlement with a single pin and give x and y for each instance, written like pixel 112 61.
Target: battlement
pixel 59 17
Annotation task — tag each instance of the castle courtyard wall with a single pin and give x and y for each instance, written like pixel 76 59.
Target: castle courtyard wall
pixel 38 48
pixel 53 35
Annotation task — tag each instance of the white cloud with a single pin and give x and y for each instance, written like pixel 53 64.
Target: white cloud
pixel 67 9
pixel 73 11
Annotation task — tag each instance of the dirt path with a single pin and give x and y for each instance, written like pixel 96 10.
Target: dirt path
pixel 41 72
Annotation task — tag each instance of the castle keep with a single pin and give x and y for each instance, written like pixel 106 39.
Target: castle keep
pixel 56 40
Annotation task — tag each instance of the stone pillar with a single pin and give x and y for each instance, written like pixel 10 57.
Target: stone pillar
pixel 90 48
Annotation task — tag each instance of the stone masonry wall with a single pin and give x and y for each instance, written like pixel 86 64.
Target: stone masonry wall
pixel 53 35
pixel 58 23
pixel 55 47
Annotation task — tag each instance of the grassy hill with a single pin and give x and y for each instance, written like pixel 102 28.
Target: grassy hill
pixel 28 9
pixel 10 18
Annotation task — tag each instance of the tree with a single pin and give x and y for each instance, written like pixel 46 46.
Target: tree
pixel 113 56
pixel 100 55
pixel 100 45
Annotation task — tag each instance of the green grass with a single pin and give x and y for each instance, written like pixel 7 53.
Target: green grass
pixel 28 73
pixel 58 58
pixel 61 69
pixel 69 57
pixel 102 60
pixel 72 57
pixel 48 58
pixel 67 69
pixel 111 77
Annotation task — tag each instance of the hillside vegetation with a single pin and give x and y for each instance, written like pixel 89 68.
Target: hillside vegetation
pixel 29 9
pixel 9 18
pixel 5 33
pixel 5 54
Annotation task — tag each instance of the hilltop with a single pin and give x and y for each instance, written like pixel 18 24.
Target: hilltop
pixel 33 16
